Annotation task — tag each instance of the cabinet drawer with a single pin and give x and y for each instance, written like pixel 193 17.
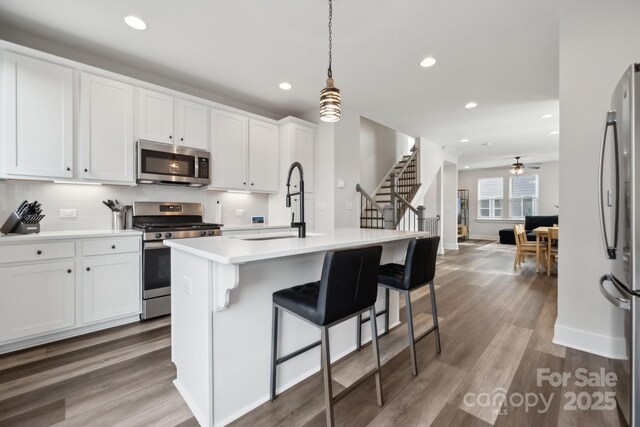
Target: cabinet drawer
pixel 37 252
pixel 118 245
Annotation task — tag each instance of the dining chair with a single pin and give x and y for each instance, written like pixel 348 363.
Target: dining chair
pixel 552 248
pixel 523 247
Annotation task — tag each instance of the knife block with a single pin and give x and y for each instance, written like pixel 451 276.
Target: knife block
pixel 14 224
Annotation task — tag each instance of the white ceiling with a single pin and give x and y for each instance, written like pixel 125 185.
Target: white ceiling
pixel 502 54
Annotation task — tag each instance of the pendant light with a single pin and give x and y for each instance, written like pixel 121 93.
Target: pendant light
pixel 330 95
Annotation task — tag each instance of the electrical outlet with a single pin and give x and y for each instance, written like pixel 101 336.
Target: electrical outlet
pixel 240 212
pixel 68 213
pixel 340 183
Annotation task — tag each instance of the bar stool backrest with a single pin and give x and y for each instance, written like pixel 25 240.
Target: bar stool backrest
pixel 420 263
pixel 349 282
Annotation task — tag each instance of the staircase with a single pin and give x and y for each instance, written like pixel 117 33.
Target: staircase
pixel 397 189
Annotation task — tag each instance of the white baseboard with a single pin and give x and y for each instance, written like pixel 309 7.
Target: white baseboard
pixel 610 347
pixel 451 246
pixel 483 237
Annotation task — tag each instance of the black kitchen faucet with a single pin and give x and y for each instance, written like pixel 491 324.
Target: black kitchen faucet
pixel 301 225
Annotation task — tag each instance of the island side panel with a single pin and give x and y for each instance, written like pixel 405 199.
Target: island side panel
pixel 191 332
pixel 242 332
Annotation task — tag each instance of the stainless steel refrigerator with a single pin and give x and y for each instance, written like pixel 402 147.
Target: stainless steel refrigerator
pixel 619 182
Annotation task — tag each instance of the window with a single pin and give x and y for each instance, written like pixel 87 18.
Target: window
pixel 523 195
pixel 490 192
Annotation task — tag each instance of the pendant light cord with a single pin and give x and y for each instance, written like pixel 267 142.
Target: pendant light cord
pixel 330 40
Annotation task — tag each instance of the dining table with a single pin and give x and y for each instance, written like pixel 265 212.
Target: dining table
pixel 542 234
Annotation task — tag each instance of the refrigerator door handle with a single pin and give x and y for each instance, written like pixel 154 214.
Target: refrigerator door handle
pixel 610 251
pixel 619 302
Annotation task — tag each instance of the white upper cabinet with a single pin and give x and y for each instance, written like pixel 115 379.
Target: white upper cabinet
pixel 38 117
pixel 302 151
pixel 163 118
pixel 155 116
pixel 192 125
pixel 244 153
pixel 106 129
pixel 263 156
pixel 229 145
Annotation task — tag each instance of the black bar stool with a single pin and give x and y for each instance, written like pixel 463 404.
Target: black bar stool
pixel 418 270
pixel 348 287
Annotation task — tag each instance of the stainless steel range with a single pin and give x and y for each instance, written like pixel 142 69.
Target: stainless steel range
pixel 161 221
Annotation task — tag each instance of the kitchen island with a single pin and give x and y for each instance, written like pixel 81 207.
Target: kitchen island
pixel 221 313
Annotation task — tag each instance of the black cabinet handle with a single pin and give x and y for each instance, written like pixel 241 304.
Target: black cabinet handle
pixel 39 252
pixel 86 170
pixel 170 137
pixel 244 183
pixel 68 169
pixel 181 139
pixel 252 183
pixel 113 246
pixel 88 268
pixel 69 271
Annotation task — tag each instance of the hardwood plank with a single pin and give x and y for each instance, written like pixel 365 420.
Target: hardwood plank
pixel 434 385
pixel 360 363
pixel 22 357
pixel 41 416
pixel 88 384
pixel 494 369
pixel 525 381
pixel 542 337
pixel 23 385
pixel 573 360
pixel 450 416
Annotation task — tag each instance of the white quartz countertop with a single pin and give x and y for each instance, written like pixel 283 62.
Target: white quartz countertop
pixel 67 234
pixel 238 249
pixel 256 227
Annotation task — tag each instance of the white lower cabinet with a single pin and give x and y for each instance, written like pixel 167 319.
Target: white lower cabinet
pixel 36 299
pixel 43 298
pixel 110 287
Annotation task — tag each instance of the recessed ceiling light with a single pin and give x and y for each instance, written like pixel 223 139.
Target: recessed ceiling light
pixel 487 144
pixel 135 22
pixel 465 140
pixel 285 86
pixel 427 62
pixel 554 132
pixel 470 105
pixel 546 116
pixel 466 166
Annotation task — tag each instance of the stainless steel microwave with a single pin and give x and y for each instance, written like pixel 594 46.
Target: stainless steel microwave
pixel 167 164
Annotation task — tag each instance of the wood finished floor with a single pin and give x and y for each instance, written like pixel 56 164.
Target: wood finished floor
pixel 496 328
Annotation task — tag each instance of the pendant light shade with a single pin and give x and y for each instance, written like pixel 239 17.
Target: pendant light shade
pixel 330 103
pixel 330 96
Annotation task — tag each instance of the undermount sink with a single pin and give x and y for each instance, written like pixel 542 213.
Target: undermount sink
pixel 272 236
pixel 265 237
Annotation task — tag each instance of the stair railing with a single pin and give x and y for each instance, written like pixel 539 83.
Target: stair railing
pixel 367 202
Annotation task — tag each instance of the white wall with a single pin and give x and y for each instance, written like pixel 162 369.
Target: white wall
pixel 598 41
pixel 347 168
pixel 380 148
pixel 549 188
pixel 92 214
pixel 450 206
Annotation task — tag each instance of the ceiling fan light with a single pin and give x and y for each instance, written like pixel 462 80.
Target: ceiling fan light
pixel 520 171
pixel 513 171
pixel 330 102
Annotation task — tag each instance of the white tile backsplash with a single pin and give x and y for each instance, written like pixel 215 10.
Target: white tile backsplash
pixel 92 214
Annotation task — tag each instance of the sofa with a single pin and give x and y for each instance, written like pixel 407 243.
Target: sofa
pixel 530 223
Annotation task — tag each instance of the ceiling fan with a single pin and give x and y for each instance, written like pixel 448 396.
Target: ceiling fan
pixel 518 167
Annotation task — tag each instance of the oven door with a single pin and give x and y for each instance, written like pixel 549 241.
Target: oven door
pixel 156 267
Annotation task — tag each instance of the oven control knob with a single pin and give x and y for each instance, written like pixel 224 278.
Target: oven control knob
pixel 158 235
pixel 167 235
pixel 210 232
pixel 203 233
